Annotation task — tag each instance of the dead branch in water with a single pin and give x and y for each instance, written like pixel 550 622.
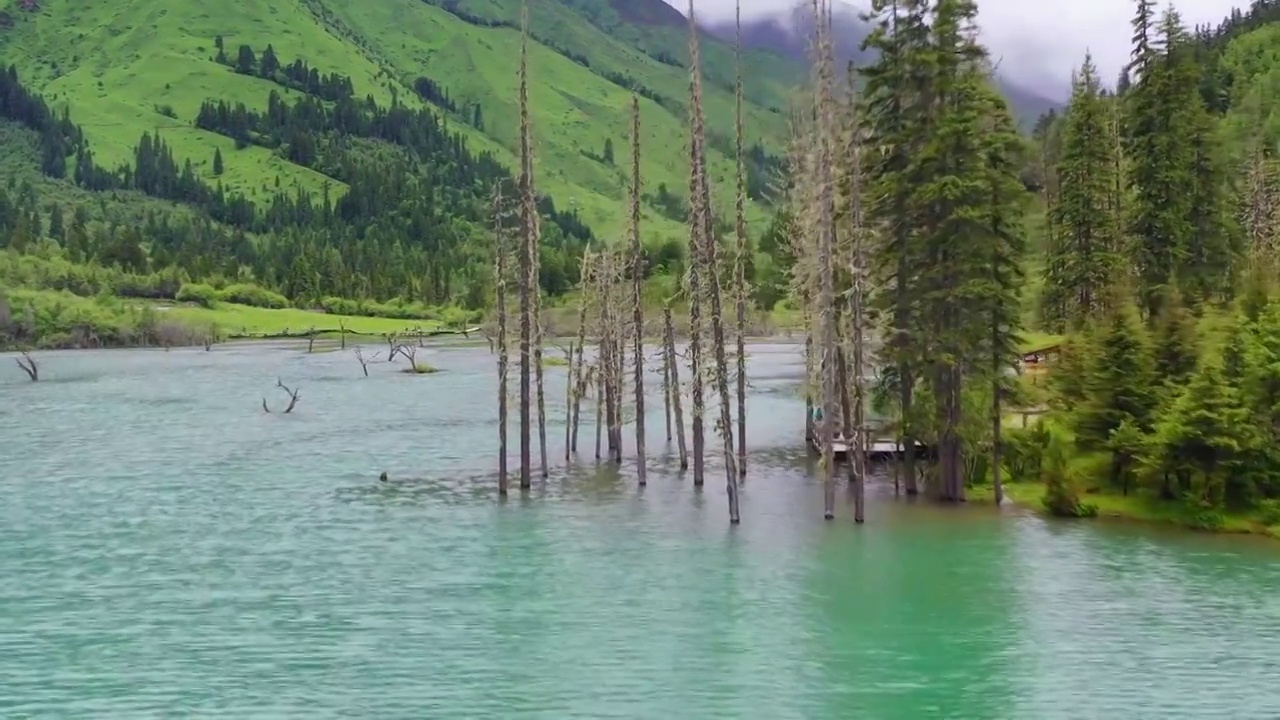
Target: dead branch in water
pixel 293 398
pixel 364 362
pixel 28 365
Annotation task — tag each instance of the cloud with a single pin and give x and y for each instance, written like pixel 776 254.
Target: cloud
pixel 1036 41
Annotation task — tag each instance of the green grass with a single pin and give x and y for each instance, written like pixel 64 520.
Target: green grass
pixel 1135 507
pixel 114 64
pixel 244 320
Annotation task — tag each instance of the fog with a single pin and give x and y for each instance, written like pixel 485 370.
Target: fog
pixel 1037 42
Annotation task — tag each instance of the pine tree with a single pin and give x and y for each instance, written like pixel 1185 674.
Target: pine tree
pixel 56 228
pixel 246 61
pixel 1159 146
pixel 897 113
pixel 1005 248
pixel 218 167
pixel 953 213
pixel 1118 384
pixel 608 151
pixel 1082 263
pixel 1209 262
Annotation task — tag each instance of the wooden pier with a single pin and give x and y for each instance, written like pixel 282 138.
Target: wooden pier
pixel 882 449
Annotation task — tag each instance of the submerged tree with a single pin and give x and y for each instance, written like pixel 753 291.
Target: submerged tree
pixel 530 325
pixel 698 223
pixel 637 282
pixel 703 252
pixel 500 285
pixel 740 254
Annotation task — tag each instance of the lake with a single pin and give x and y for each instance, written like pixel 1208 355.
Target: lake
pixel 167 548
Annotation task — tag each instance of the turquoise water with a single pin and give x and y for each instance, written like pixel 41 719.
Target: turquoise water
pixel 166 548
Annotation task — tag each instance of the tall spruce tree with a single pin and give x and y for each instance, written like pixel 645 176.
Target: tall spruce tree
pixel 898 117
pixel 1005 248
pixel 1158 144
pixel 1082 261
pixel 953 210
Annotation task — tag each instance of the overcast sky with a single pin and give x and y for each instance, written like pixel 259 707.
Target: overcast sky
pixel 1037 40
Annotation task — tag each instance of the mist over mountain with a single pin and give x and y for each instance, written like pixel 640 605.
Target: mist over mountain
pixel 1035 45
pixel 787 33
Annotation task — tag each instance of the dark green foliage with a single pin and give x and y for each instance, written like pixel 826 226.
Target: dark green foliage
pixel 1083 250
pixel 1062 486
pixel 1119 384
pixel 217 162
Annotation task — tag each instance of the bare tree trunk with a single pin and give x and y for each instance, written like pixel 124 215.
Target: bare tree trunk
pixel 580 383
pixel 996 392
pixel 537 367
pixel 600 415
pixel 826 251
pixel 568 401
pixel 500 277
pixel 697 225
pixel 673 362
pixel 740 257
pixel 666 386
pixel 527 247
pixel 852 160
pixel 637 282
pixel 810 432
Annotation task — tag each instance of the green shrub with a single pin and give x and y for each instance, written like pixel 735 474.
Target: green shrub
pixel 1061 482
pixel 197 293
pixel 249 294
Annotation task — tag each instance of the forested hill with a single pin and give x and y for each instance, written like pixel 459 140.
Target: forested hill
pixel 334 152
pixel 133 67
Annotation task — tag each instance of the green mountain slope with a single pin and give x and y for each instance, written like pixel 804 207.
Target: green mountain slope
pixel 125 68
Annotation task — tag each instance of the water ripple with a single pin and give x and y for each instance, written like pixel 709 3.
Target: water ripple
pixel 166 548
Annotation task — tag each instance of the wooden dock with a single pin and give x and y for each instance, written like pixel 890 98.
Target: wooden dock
pixel 878 450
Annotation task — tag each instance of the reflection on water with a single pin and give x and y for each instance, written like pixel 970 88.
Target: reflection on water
pixel 167 548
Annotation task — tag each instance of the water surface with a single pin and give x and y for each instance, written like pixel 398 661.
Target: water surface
pixel 166 548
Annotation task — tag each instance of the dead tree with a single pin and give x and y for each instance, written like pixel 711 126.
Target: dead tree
pixel 311 339
pixel 637 282
pixel 579 376
pixel 825 236
pixel 568 399
pixel 364 361
pixel 600 413
pixel 666 386
pixel 740 256
pixel 500 300
pixel 293 398
pixel 703 245
pixel 29 366
pixel 537 365
pixel 854 249
pixel 697 225
pixel 528 255
pixel 609 358
pixel 673 362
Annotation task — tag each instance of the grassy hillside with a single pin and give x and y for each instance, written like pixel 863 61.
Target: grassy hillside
pixel 124 67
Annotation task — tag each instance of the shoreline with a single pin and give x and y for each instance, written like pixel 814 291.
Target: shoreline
pixel 1120 508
